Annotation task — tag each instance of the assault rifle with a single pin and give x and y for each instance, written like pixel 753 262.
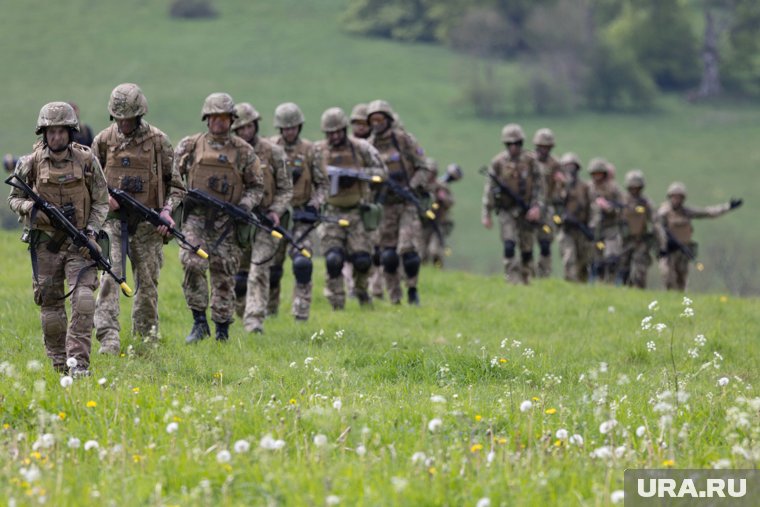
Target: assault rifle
pixel 78 238
pixel 336 173
pixel 309 216
pixel 135 208
pixel 674 244
pixel 572 221
pixel 505 189
pixel 258 220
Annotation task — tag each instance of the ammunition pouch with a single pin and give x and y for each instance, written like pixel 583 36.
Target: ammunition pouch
pixel 371 215
pixel 104 242
pixel 296 173
pixel 219 185
pixel 132 184
pixel 244 234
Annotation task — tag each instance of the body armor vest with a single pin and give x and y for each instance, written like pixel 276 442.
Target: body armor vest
pixel 635 214
pixel 515 175
pixel 63 183
pixel 679 225
pixel 215 171
pixel 609 192
pixel 578 201
pixel 350 191
pixel 555 190
pixel 299 159
pixel 133 168
pixel 400 167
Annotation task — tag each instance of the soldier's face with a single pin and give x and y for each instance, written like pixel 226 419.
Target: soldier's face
pixel 126 125
pixel 219 124
pixel 336 137
pixel 598 177
pixel 57 138
pixel 360 129
pixel 247 132
pixel 514 149
pixel 676 200
pixel 634 191
pixel 290 134
pixel 379 123
pixel 543 152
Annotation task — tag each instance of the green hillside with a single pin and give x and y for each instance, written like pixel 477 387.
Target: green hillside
pixel 430 410
pixel 270 52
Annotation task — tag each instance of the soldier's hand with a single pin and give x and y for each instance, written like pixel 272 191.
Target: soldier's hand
pixel 486 221
pixel 559 177
pixel 274 218
pixel 163 230
pixel 603 203
pixel 113 204
pixel 735 203
pixel 26 208
pixel 533 214
pixel 85 251
pixel 9 162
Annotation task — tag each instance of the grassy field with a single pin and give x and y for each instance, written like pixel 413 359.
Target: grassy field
pixel 270 52
pixel 539 395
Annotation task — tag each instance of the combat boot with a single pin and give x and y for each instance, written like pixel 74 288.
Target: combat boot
pixel 222 331
pixel 200 328
pixel 412 296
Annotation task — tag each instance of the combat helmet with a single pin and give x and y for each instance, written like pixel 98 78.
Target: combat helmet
pixel 56 114
pixel 598 165
pixel 634 178
pixel 246 114
pixel 677 188
pixel 127 101
pixel 381 106
pixel 512 133
pixel 288 115
pixel 453 172
pixel 543 137
pixel 359 113
pixel 333 119
pixel 218 103
pixel 570 158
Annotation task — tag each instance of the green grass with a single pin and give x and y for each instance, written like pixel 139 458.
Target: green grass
pixel 271 52
pixel 462 344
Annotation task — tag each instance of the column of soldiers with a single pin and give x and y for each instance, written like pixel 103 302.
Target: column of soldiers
pixel 605 234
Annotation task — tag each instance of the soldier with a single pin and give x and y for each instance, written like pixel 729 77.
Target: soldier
pixel 606 207
pixel 514 171
pixel 401 227
pixel 434 233
pixel 576 211
pixel 554 183
pixel 359 126
pixel 676 246
pixel 69 176
pixel 640 232
pixel 137 158
pixel 253 280
pixel 226 167
pixel 350 243
pixel 309 191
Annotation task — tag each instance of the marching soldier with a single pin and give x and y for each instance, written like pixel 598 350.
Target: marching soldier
pixel 434 233
pixel 574 240
pixel 554 183
pixel 606 208
pixel 640 231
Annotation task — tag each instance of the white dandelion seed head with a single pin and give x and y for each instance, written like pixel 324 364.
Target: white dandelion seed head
pixel 270 444
pixel 74 443
pixel 332 500
pixel 223 456
pixel 610 309
pixel 242 446
pixel 525 406
pixel 484 502
pixel 71 362
pixel 561 434
pixel 33 365
pixel 172 427
pixel 337 404
pixel 641 431
pixel 399 484
pixel 607 426
pixel 576 440
pixel 437 398
pixel 361 450
pixel 723 381
pixel 91 444
pixel 102 381
pixel 66 381
pixel 320 440
pixel 434 424
pixel 617 496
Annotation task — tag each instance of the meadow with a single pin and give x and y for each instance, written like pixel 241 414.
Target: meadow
pixel 294 50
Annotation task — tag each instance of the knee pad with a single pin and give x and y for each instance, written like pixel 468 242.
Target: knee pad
pixel 527 257
pixel 241 283
pixel 376 257
pixel 334 261
pixel 275 275
pixel 362 261
pixel 546 247
pixel 509 248
pixel 54 322
pixel 302 268
pixel 390 261
pixel 84 300
pixel 411 263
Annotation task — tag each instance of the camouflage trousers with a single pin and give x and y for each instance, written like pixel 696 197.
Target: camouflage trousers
pixel 433 250
pixel 544 237
pixel 146 256
pixel 674 270
pixel 635 262
pixel 350 241
pixel 516 232
pixel 575 250
pixel 401 229
pixel 258 259
pixel 64 339
pixel 301 306
pixel 222 265
pixel 606 261
pixel 376 271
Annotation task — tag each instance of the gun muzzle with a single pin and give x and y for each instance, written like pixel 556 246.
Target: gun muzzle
pixel 429 213
pixel 343 222
pixel 200 253
pixel 377 179
pixel 126 290
pixel 546 229
pixel 306 253
pixel 276 234
pixel 557 219
pixel 435 206
pixel 600 245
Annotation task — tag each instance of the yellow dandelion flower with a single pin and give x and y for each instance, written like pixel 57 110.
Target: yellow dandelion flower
pixel 135 390
pixel 227 467
pixel 668 463
pixel 503 360
pixel 724 299
pixel 432 471
pixel 61 415
pixel 478 417
pixel 36 455
pixel 502 440
pixel 92 404
pixel 6 426
pixel 558 443
pixel 136 458
pixel 551 411
pixel 292 401
pixel 26 485
pixel 177 418
pixel 476 447
pixel 536 398
pixel 122 355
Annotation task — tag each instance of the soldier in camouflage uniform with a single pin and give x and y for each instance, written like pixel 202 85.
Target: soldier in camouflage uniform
pixel 433 242
pixel 676 245
pixel 606 214
pixel 253 280
pixel 226 167
pixel 517 170
pixel 137 158
pixel 309 191
pixel 69 176
pixel 554 183
pixel 640 232
pixel 360 128
pixel 350 243
pixel 575 247
pixel 401 227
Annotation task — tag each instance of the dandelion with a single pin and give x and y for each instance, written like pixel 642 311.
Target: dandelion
pixel 102 381
pixel 31 474
pixel 576 440
pixel 437 398
pixel 242 446
pixel 561 434
pixel 337 404
pixel 654 306
pixel 668 463
pixel 604 452
pixel 478 417
pixel 92 404
pixel 617 496
pixel 551 411
pixel 525 406
pixel 651 346
pixel 361 450
pixel 45 441
pixel 71 362
pixel 74 443
pixel 484 502
pixel 434 424
pixel 332 500
pixel 607 426
pixel 476 448
pixel 223 456
pixel 723 381
pixel 610 309
pixel 641 431
pixel 320 440
pixel 136 390
pixel 34 365
pixel 62 415
pixel 66 381
pixel 270 444
pixel 724 299
pixel 418 457
pixel 172 427
pixel 91 444
pixel 399 484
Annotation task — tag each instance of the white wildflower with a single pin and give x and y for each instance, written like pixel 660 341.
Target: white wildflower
pixel 172 427
pixel 31 474
pixel 484 502
pixel 320 440
pixel 646 323
pixel 491 456
pixel 434 424
pixel 337 404
pixel 687 302
pixel 660 327
pixel 66 381
pixel 577 440
pixel 528 353
pixel 607 426
pixel 242 446
pixel 308 361
pixel 34 365
pixel 693 352
pixel 418 457
pixel 332 500
pixel 651 346
pixel 223 456
pixel 604 452
pixel 687 312
pixel 617 496
pixel 270 444
pixel 722 464
pixel 361 450
pixel 700 340
pixel 654 306
pixel 610 309
pixel 723 381
pixel 561 434
pixel 437 398
pixel 91 444
pixel 74 443
pixel 102 381
pixel 525 406
pixel 399 484
pixel 641 431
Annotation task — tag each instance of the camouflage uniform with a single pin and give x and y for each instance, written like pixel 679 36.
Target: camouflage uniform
pixel 555 198
pixel 351 243
pixel 253 283
pixel 573 244
pixel 676 227
pixel 309 191
pixel 605 224
pixel 523 176
pixel 72 177
pixel 401 228
pixel 227 168
pixel 433 248
pixel 132 163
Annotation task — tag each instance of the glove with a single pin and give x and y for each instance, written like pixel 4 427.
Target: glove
pixel 735 203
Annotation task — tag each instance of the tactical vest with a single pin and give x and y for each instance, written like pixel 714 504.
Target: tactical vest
pixel 679 225
pixel 635 215
pixel 393 151
pixel 299 164
pixel 214 170
pixel 608 191
pixel 133 168
pixel 578 201
pixel 63 183
pixel 515 175
pixel 350 191
pixel 264 151
pixel 555 190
